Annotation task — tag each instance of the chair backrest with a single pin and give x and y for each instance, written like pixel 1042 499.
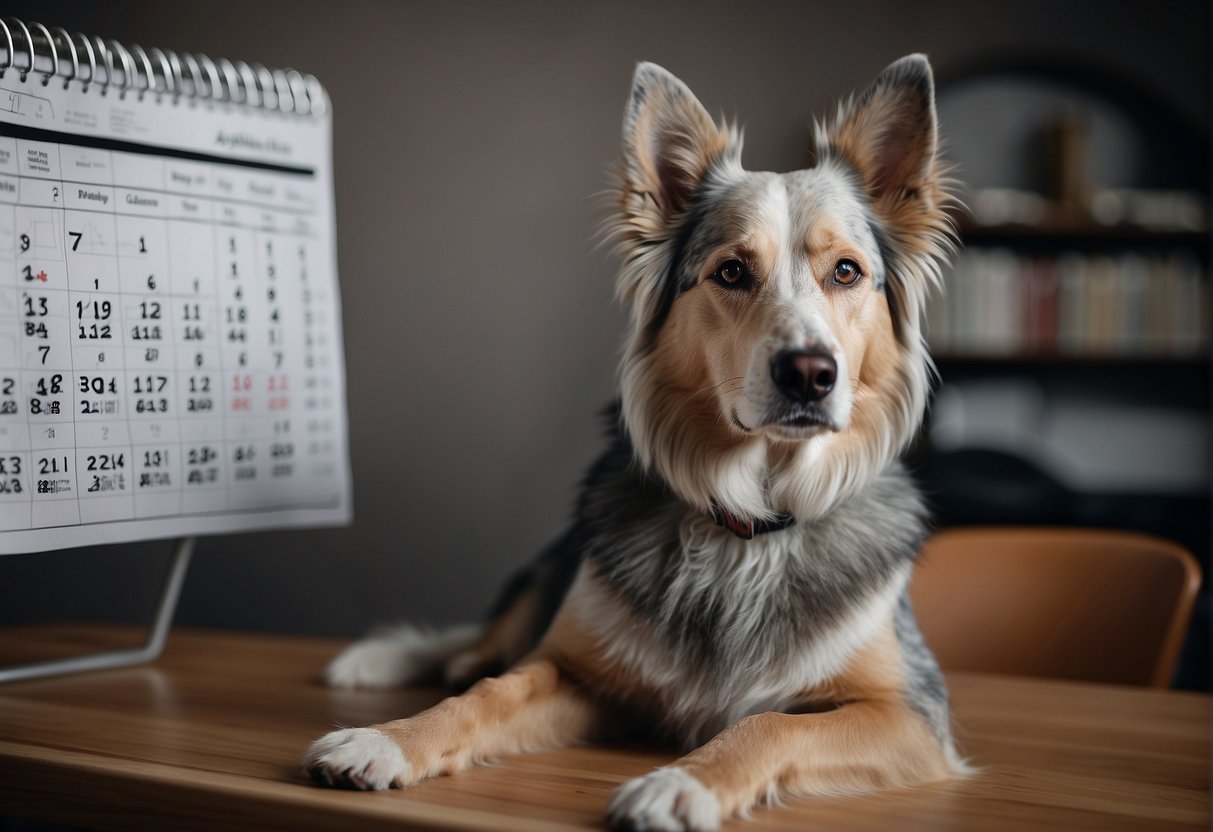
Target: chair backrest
pixel 1103 606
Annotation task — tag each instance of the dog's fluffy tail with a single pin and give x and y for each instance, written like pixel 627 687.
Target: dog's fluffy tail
pixel 400 655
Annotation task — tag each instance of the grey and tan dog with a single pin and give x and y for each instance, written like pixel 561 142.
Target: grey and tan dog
pixel 735 576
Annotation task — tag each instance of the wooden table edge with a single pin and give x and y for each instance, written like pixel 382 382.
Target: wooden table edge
pixel 43 783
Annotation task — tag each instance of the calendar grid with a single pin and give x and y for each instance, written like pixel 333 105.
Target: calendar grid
pixel 169 326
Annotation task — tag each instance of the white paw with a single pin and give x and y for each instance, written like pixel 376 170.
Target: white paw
pixel 397 657
pixel 357 758
pixel 665 800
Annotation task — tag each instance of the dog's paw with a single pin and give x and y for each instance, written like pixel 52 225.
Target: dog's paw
pixel 665 800
pixel 357 758
pixel 376 662
pixel 397 657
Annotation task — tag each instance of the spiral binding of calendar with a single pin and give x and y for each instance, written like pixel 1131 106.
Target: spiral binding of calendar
pixel 35 51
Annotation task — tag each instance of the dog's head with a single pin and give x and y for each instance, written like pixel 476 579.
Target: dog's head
pixel 776 360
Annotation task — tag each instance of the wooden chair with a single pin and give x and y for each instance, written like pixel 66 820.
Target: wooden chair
pixel 1101 606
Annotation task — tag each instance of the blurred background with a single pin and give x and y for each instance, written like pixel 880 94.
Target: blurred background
pixel 480 330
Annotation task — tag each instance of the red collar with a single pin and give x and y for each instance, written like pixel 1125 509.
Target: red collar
pixel 747 529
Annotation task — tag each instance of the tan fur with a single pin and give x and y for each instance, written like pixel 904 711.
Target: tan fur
pixel 691 142
pixel 899 171
pixel 571 645
pixel 878 374
pixel 860 746
pixel 913 193
pixel 688 395
pixel 532 707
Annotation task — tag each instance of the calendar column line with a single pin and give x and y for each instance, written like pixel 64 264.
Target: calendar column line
pixel 123 374
pixel 222 392
pixel 71 360
pixel 19 376
pixel 173 371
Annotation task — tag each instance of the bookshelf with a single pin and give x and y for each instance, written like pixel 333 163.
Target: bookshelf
pixel 1085 241
pixel 1074 293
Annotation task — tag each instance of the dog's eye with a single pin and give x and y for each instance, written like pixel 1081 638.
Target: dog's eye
pixel 732 274
pixel 846 272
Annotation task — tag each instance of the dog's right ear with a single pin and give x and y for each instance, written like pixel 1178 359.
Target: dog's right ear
pixel 669 145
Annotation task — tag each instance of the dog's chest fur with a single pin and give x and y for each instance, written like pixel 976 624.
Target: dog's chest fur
pixel 715 627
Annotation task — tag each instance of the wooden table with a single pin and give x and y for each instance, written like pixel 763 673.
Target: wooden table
pixel 209 737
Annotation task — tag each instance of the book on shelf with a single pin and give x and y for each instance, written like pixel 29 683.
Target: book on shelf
pixel 1002 303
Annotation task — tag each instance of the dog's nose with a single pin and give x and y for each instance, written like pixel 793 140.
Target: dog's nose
pixel 804 376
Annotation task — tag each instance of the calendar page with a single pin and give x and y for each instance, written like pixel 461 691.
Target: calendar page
pixel 170 343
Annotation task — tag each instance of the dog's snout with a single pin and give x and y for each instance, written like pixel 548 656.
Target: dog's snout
pixel 804 376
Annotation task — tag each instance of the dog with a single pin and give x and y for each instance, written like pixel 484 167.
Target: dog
pixel 734 579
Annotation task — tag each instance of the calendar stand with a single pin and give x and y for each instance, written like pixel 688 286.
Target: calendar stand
pixel 183 549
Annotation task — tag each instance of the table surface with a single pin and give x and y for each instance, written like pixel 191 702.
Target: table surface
pixel 210 735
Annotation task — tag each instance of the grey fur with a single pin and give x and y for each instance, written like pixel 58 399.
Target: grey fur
pixel 925 691
pixel 631 532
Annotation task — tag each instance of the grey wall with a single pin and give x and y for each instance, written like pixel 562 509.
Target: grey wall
pixel 480 328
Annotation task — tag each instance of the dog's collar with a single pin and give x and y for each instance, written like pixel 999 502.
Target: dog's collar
pixel 749 528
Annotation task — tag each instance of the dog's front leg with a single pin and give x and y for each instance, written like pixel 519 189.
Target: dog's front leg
pixel 860 746
pixel 531 707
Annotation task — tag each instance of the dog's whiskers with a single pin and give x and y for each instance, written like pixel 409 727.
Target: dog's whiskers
pixel 729 392
pixel 706 390
pixel 719 414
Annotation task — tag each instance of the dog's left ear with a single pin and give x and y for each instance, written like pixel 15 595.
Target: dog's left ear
pixel 889 133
